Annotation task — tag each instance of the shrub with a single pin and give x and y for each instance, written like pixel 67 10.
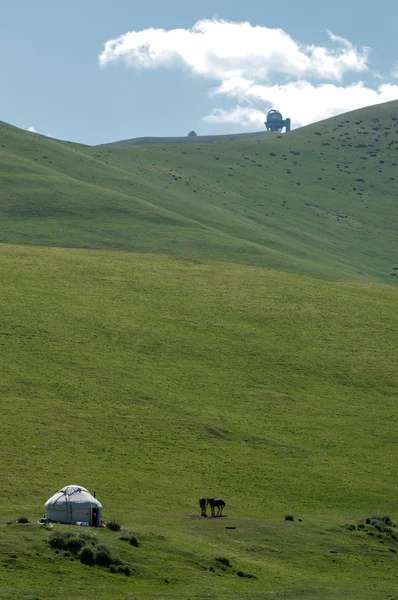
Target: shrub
pixel 127 571
pixel 59 539
pixel 380 526
pixel 247 575
pixel 120 569
pixel 22 520
pixel 88 539
pixel 289 518
pixel 103 556
pixel 113 525
pixel 223 561
pixel 133 541
pixel 75 544
pixel 87 556
pixel 113 568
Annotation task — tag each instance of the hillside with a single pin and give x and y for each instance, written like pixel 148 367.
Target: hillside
pixel 153 380
pixel 150 353
pixel 195 140
pixel 319 201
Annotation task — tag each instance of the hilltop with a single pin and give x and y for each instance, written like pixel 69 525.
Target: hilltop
pixel 198 139
pixel 318 201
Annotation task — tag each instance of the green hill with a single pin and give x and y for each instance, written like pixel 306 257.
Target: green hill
pixel 319 201
pixel 154 380
pixel 150 354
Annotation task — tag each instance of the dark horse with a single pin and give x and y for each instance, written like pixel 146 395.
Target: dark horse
pixel 203 502
pixel 216 503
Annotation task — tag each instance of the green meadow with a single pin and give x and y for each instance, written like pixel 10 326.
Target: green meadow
pixel 181 321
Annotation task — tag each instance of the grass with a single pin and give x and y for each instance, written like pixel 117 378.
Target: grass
pixel 319 201
pixel 153 380
pixel 149 354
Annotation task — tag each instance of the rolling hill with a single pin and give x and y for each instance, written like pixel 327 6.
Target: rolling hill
pixel 199 319
pixel 153 380
pixel 319 201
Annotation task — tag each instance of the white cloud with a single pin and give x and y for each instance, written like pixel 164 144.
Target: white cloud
pixel 256 68
pixel 394 71
pixel 302 101
pixel 221 50
pixel 33 130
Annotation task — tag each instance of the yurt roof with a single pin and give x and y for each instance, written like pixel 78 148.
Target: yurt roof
pixel 75 494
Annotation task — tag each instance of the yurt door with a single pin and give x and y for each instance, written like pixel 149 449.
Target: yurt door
pixel 94 517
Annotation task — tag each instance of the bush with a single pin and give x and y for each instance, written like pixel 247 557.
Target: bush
pixel 88 539
pixel 103 556
pixel 127 571
pixel 223 560
pixel 75 544
pixel 289 518
pixel 380 526
pixel 87 549
pixel 113 525
pixel 22 520
pixel 59 539
pixel 133 541
pixel 247 575
pixel 87 556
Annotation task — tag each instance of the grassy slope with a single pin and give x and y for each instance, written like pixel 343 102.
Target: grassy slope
pixel 153 380
pixel 319 201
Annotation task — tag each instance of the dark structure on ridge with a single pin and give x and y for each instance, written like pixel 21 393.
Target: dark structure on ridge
pixel 275 121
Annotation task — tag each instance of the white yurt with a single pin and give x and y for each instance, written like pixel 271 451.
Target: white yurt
pixel 74 504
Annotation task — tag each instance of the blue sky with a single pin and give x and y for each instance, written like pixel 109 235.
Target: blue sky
pixel 239 60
